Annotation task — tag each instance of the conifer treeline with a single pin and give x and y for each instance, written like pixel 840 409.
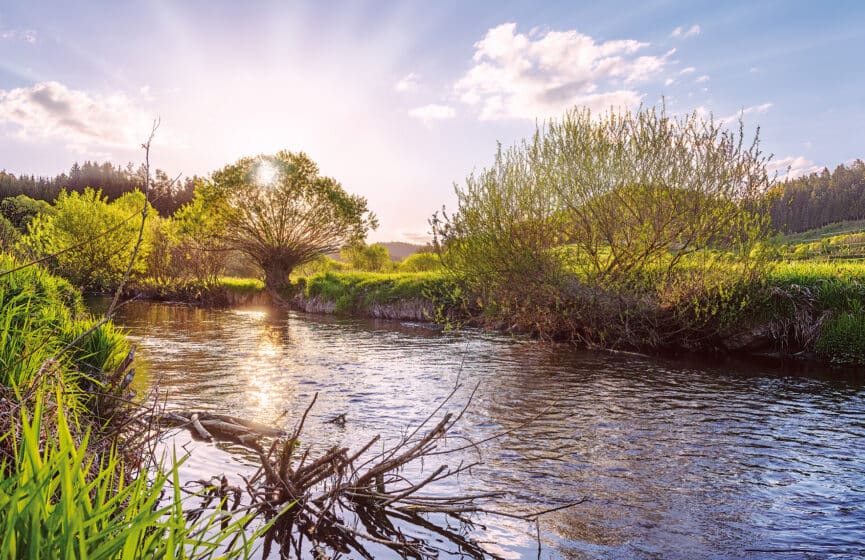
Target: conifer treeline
pixel 819 199
pixel 114 181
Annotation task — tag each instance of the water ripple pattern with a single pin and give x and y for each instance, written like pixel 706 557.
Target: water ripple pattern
pixel 677 459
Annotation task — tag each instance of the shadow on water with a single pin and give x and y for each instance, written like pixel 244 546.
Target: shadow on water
pixel 679 459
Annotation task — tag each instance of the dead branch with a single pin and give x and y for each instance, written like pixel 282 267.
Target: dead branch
pixel 344 501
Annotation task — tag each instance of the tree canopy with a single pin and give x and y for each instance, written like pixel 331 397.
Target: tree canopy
pixel 91 239
pixel 281 212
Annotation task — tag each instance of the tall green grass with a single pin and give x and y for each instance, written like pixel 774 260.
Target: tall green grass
pixel 821 305
pixel 61 496
pixel 354 292
pixel 836 286
pixel 241 286
pixel 61 501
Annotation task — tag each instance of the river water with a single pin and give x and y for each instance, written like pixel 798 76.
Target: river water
pixel 676 459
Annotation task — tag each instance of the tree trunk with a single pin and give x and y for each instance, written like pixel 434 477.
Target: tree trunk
pixel 276 280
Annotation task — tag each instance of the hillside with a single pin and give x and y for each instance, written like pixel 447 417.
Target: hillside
pixel 841 240
pixel 399 250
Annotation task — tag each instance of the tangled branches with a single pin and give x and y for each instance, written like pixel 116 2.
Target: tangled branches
pixel 346 502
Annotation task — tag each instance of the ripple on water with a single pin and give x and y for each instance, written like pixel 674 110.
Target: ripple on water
pixel 678 460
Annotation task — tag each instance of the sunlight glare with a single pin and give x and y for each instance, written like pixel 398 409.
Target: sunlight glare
pixel 266 173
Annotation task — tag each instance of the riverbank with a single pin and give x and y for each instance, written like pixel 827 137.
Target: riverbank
pixel 224 292
pixel 77 477
pixel 805 309
pixel 421 296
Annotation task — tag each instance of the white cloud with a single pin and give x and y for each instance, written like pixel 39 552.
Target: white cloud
pixel 146 92
pixel 754 109
pixel 26 35
pixel 51 111
pixel 432 112
pixel 791 167
pixel 702 79
pixel 669 82
pixel 414 236
pixel 409 82
pixel 540 75
pixel 688 70
pixel 682 33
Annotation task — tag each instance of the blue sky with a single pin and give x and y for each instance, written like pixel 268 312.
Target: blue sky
pixel 400 100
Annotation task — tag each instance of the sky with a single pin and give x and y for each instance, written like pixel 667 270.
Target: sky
pixel 399 101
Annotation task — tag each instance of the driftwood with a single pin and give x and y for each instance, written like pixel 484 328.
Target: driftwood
pixel 342 501
pixel 209 426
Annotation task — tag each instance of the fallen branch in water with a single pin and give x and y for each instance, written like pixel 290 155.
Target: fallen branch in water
pixel 344 502
pixel 209 426
pixel 329 489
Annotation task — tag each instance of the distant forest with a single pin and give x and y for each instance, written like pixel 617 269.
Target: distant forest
pixel 797 205
pixel 819 199
pixel 167 195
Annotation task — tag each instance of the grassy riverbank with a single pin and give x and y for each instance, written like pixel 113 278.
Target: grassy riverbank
pixel 416 296
pixel 818 307
pixel 74 480
pixel 225 291
pixel 807 308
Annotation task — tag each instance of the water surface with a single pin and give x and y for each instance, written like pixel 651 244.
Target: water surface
pixel 677 460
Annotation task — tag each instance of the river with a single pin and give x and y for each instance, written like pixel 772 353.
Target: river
pixel 676 459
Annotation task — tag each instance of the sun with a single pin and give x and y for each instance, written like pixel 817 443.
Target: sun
pixel 266 173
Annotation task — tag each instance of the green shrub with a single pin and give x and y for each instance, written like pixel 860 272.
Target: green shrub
pixel 634 228
pixel 319 265
pixel 421 262
pixel 20 210
pixel 110 230
pixel 842 339
pixel 367 258
pixel 9 235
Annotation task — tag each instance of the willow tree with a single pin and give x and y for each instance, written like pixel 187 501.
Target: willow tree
pixel 281 212
pixel 645 192
pixel 635 209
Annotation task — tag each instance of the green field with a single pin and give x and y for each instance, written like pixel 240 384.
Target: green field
pixel 844 240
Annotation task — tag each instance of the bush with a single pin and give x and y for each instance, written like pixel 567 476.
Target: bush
pixel 842 339
pixel 199 253
pixel 20 210
pixel 9 235
pixel 421 262
pixel 595 217
pixel 91 240
pixel 367 258
pixel 319 265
